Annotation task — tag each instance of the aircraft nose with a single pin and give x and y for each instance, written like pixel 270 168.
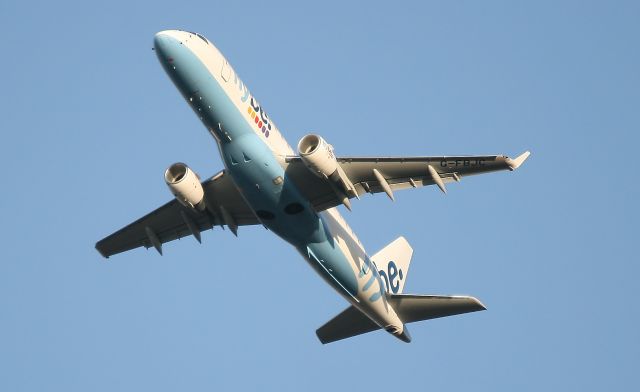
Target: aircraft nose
pixel 160 41
pixel 165 43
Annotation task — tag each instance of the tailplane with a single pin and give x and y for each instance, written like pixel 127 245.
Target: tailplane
pixel 393 264
pixel 409 308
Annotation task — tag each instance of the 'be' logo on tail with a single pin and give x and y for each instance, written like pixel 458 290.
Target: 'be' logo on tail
pixel 392 277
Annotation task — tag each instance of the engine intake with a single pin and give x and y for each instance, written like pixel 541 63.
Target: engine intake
pixel 185 185
pixel 317 155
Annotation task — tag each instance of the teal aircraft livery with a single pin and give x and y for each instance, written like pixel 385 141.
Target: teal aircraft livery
pixel 294 195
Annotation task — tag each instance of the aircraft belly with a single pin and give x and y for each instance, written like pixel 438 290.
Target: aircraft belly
pixel 323 238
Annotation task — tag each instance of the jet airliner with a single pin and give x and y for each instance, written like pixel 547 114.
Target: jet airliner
pixel 295 195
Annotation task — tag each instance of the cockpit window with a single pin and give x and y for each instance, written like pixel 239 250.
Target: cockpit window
pixel 199 36
pixel 202 38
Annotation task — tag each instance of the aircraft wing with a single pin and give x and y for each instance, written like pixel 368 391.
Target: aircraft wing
pixel 384 174
pixel 225 206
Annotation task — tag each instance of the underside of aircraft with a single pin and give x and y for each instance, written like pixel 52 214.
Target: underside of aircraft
pixel 295 195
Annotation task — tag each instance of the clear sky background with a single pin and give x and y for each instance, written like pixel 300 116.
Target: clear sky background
pixel 90 121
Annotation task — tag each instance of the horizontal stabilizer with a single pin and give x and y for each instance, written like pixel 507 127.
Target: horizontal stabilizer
pixel 350 322
pixel 409 308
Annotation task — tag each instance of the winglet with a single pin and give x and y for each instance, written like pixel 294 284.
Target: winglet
pixel 515 163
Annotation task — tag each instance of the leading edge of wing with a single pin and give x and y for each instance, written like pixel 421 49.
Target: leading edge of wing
pixel 432 158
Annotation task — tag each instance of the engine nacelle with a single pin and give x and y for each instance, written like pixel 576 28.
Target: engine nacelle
pixel 185 185
pixel 317 155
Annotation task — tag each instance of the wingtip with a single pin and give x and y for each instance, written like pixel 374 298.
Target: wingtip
pixel 321 337
pixel 517 162
pixel 102 253
pixel 480 304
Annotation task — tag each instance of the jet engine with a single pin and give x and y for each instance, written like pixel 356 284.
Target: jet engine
pixel 317 155
pixel 185 185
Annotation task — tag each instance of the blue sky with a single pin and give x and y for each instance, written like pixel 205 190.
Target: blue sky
pixel 90 121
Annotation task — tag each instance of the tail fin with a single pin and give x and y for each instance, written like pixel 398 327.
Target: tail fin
pixel 393 264
pixel 410 308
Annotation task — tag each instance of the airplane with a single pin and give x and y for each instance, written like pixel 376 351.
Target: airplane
pixel 295 196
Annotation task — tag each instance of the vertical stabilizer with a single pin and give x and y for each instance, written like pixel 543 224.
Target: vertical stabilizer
pixel 393 264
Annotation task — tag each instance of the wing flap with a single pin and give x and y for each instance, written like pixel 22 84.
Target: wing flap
pixel 411 172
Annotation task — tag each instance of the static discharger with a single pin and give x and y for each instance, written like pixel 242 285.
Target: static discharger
pixel 384 184
pixel 153 238
pixel 437 179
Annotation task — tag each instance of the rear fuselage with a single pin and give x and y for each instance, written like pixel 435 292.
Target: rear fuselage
pixel 254 151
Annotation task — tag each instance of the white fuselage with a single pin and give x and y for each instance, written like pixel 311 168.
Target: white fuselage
pixel 254 152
